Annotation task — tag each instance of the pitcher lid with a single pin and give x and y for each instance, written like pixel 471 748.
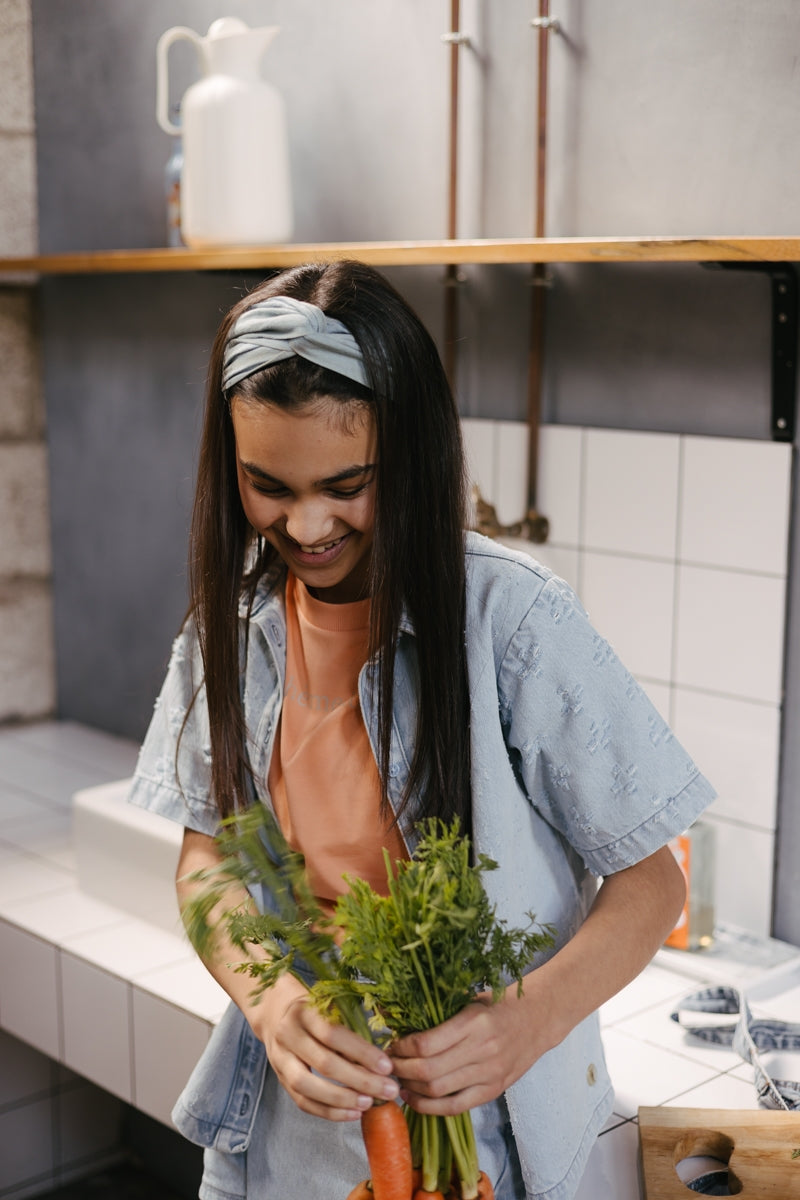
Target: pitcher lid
pixel 227 27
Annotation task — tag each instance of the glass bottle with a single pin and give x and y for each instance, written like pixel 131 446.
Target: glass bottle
pixel 694 853
pixel 172 187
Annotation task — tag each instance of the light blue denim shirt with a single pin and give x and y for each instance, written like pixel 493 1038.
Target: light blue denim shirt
pixel 574 776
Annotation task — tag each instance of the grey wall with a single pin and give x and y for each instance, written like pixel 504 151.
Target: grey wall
pixel 124 357
pixel 124 364
pixel 664 119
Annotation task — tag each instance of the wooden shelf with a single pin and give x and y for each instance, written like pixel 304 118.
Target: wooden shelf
pixel 390 254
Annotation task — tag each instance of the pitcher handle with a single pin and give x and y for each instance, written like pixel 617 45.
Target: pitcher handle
pixel 162 76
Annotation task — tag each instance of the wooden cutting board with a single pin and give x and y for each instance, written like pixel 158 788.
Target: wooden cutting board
pixel 757 1144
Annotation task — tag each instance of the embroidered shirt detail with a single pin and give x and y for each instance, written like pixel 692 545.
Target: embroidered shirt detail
pixel 571 700
pixel 527 662
pixel 602 651
pixel 599 736
pixel 624 779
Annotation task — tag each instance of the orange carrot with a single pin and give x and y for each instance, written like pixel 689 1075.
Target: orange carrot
pixel 388 1147
pixel 421 1194
pixel 485 1189
pixel 362 1191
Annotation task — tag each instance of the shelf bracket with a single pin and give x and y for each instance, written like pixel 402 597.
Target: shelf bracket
pixel 783 323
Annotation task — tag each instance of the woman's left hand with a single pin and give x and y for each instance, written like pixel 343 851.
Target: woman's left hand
pixel 468 1060
pixel 478 1053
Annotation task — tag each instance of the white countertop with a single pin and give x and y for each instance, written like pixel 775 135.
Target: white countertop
pixel 128 1006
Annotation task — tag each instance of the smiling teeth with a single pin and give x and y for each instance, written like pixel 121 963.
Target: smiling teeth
pixel 319 549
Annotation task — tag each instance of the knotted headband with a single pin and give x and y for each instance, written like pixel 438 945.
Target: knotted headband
pixel 277 328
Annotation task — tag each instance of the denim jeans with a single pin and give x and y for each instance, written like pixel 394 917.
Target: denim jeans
pixel 747 1035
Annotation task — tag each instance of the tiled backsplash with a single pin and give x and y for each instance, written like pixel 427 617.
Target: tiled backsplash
pixel 677 547
pixel 98 1009
pixel 52 1122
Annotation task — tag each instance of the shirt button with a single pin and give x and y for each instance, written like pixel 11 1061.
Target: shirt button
pixel 591 1075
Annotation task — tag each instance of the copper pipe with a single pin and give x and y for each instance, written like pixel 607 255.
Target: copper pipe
pixel 533 525
pixel 452 199
pixel 535 357
pixel 451 272
pixel 538 524
pixel 541 119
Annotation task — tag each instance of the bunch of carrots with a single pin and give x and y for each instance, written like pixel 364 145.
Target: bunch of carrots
pixel 407 961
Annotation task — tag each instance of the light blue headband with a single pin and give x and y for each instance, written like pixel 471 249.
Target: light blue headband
pixel 279 327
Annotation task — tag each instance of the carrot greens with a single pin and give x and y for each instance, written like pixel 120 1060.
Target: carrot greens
pixel 386 965
pixel 292 935
pixel 421 953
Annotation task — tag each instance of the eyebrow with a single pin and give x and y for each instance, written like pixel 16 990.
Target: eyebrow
pixel 340 477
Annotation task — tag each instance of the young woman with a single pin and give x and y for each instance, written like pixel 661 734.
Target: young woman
pixel 356 660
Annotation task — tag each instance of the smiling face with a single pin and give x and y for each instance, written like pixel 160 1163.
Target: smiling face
pixel 307 485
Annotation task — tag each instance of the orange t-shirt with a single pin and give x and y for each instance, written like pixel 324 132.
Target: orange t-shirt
pixel 323 776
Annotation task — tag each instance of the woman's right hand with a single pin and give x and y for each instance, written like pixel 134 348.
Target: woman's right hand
pixel 328 1070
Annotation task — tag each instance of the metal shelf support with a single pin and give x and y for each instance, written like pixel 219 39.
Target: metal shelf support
pixel 784 332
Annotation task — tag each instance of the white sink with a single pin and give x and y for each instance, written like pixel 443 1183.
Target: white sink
pixel 126 856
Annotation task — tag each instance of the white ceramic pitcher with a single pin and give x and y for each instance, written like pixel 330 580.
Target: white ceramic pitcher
pixel 235 182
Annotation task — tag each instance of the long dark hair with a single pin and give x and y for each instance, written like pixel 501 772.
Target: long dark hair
pixel 417 560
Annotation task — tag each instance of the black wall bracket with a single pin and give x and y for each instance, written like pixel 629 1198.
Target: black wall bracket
pixel 784 312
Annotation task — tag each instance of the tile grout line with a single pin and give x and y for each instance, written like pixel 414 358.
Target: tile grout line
pixel 131 1042
pixel 676 584
pixel 581 551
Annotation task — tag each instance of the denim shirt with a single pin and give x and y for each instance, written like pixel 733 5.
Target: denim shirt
pixel 574 776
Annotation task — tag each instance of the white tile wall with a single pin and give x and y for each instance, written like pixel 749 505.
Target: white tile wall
pixel 630 498
pixel 29 994
pixel 729 632
pixel 186 984
pixel 510 465
pixel 735 740
pixel 127 856
pixel 24 1072
pixel 55 1126
pixel 677 546
pixel 128 947
pixel 744 874
pixel 167 1044
pixel 631 601
pixel 736 504
pixel 560 481
pixel 88 1122
pixel 22 1144
pixel 97 1026
pixel 52 1123
pixel 27 658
